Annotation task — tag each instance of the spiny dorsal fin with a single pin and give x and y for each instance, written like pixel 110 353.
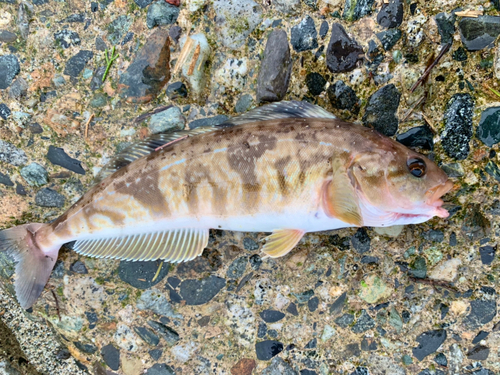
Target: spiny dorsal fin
pixel 145 147
pixel 174 246
pixel 281 110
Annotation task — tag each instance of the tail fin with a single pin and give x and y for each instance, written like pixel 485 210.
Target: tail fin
pixel 34 265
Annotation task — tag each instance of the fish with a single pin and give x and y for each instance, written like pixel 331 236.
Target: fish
pixel 286 168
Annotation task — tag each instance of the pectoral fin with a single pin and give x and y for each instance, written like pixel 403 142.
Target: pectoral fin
pixel 281 242
pixel 339 197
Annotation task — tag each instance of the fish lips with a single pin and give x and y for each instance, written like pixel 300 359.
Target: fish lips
pixel 434 198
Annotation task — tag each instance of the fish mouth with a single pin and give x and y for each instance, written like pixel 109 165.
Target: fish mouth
pixel 434 198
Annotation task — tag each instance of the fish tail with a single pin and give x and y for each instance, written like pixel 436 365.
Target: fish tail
pixel 34 262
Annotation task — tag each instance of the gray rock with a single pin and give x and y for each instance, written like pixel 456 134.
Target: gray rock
pixel 76 64
pixel 279 367
pixel 66 38
pixel 389 38
pixel 160 369
pixel 35 175
pixel 343 52
pixel 356 9
pixel 11 154
pixel 481 313
pixel 429 342
pixel 18 88
pixel 5 180
pixel 99 100
pixel 7 37
pixel 169 120
pixel 276 68
pixel 391 14
pixel 156 301
pixel 5 112
pixel 199 292
pixel 446 26
pixel 147 335
pixel 304 35
pixel 364 323
pixel 458 126
pixel 58 156
pixel 111 356
pixel 209 121
pixel 176 90
pixel 47 197
pixel 235 20
pixel 479 32
pixel 9 69
pixel 142 3
pixel 343 97
pixel 167 333
pixel 237 268
pixel 161 13
pixel 118 28
pixel 488 130
pixel 380 112
pixel 244 103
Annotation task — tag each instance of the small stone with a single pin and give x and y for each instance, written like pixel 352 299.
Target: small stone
pixel 381 110
pixel 86 348
pixel 118 28
pixel 407 360
pixel 441 360
pixel 175 33
pixel 47 197
pixel 261 330
pixel 447 271
pixel 100 44
pixel 429 342
pixel 292 309
pixel 389 38
pixel 149 71
pixel 165 121
pixel 58 156
pixel 66 38
pixel 141 274
pixel 18 89
pixel 328 333
pixel 142 3
pixel 364 323
pixel 479 353
pixel 268 349
pixel 199 292
pixel 304 296
pixel 5 180
pixel 4 111
pixel 361 241
pixel 446 26
pixel 488 130
pixel 275 69
pixel 481 313
pixel 343 97
pixel 76 64
pixel 391 14
pixel 167 333
pixel 345 320
pixel 147 335
pixel 155 300
pixel 313 304
pixel 237 268
pixel 418 268
pixel 9 69
pixel 244 366
pixel 460 54
pixel 395 320
pixel 155 354
pixel 315 83
pixel 7 37
pixel 278 367
pixel 271 316
pixel 479 32
pixel 493 170
pixel 480 336
pixel 419 136
pixel 99 100
pixel 209 121
pixel 343 52
pixel 304 35
pixel 79 267
pixel 176 90
pixel 111 356
pixel 373 289
pixel 76 17
pixel 161 13
pixel 196 77
pixel 356 9
pixel 160 369
pixel 475 225
pixel 487 254
pixel 243 104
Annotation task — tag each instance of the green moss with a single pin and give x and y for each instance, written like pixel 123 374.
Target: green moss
pixel 99 280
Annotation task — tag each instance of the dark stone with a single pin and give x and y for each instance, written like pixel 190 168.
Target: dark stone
pixel 66 38
pixel 441 360
pixel 47 197
pixel 237 268
pixel 209 121
pixel 429 342
pixel 79 267
pixel 77 17
pixel 419 136
pixel 389 38
pixel 446 26
pixel 96 81
pixel 142 3
pixel 5 180
pixel 480 336
pixel 475 225
pixel 482 312
pixel 261 330
pixel 493 170
pixel 20 190
pixel 352 350
pixel 488 130
pixel 149 71
pixel 361 241
pixel 198 292
pixel 341 243
pixel 487 254
pixel 111 356
pixel 18 89
pixel 271 316
pixel 175 33
pixel 7 36
pixel 364 323
pixel 338 304
pixel 174 281
pixel 100 44
pixel 76 64
pixel 479 32
pixel 94 7
pixel 434 235
pixel 249 244
pixel 479 353
pixel 368 345
pixel 118 28
pixel 292 309
pixel 313 304
pixel 176 90
pixel 315 83
pixel 369 260
pixel 343 97
pixel 345 320
pixel 356 9
pixel 63 354
pixel 304 35
pixel 9 69
pixel 458 126
pixel 380 112
pixel 361 371
pixel 141 274
pixel 391 14
pixel 311 344
pixel 343 52
pixel 161 13
pixel 58 156
pixel 268 349
pixel 91 317
pixel 255 261
pixel 418 268
pixel 127 38
pixel 4 111
pixel 155 353
pixel 308 372
pixel 275 69
pixel 86 348
pixel 160 369
pixel 304 296
pixel 323 29
pixel 460 54
pixel 147 335
pixel 167 333
pixel 405 315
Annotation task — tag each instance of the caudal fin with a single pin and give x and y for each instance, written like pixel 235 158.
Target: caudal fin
pixel 34 264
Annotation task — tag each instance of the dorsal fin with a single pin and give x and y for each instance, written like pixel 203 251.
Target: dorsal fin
pixel 145 147
pixel 280 110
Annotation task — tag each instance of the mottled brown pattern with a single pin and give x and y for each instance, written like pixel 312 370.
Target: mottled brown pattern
pixel 280 166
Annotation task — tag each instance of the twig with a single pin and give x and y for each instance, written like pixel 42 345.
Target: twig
pixel 144 116
pixel 157 272
pixel 194 59
pixel 430 123
pixel 491 89
pixel 57 304
pixel 434 283
pixel 469 13
pixel 412 108
pixel 109 61
pixel 184 53
pixel 87 125
pixel 445 49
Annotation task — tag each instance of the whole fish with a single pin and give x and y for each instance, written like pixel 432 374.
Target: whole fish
pixel 287 168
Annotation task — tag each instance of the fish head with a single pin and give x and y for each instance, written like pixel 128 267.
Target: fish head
pixel 395 182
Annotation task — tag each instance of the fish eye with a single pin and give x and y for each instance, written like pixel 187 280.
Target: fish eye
pixel 416 166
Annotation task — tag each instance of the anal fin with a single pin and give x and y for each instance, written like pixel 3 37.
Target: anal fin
pixel 281 242
pixel 174 246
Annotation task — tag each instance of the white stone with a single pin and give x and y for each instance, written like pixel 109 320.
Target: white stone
pixel 446 271
pixel 195 5
pixel 393 231
pixel 197 79
pixel 328 333
pixel 126 339
pixel 183 353
pixel 233 74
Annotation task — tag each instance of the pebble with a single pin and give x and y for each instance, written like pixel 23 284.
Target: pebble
pixel 479 353
pixel 278 367
pixel 304 35
pixel 363 323
pixel 76 64
pixel 389 38
pixel 9 69
pixel 356 9
pixel 209 121
pixel 275 69
pixel 429 342
pixel 373 289
pixel 155 354
pixel 154 300
pixel 235 20
pixel 344 97
pixel 76 17
pixel 488 130
pixel 345 320
pixel 441 360
pixel 142 3
pixel 268 349
pixel 99 100
pixel 18 89
pixel 175 33
pixel 58 156
pixel 418 268
pixel 237 268
pixel 381 110
pixel 487 254
pixel 323 29
pixel 479 32
pixel 198 292
pixel 315 83
pixel 66 38
pixel 168 120
pixel 286 6
pixel 481 313
pixel 79 268
pixel 35 175
pixel 343 52
pixel 176 90
pixel 4 111
pixel 47 197
pixel 391 14
pixel 141 274
pixel 196 78
pixel 244 103
pixel 86 348
pixel 147 335
pixel 446 26
pixel 480 336
pixel 149 70
pixel 111 356
pixel 7 37
pixel 167 333
pixel 475 225
pixel 5 180
pixel 161 13
pixel 160 369
pixel 419 136
pixel 271 316
pixel 117 29
pixel 361 241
